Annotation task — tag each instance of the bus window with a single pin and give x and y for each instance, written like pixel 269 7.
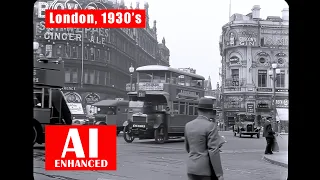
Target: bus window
pixel 187 80
pixel 159 77
pixel 182 108
pixel 109 110
pixel 191 109
pixel 175 106
pixel 145 77
pixel 196 110
pixel 180 80
pixel 187 108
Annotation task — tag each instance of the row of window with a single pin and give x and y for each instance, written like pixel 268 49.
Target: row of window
pixel 184 108
pixel 123 44
pixel 164 77
pixel 74 51
pixel 262 77
pixel 89 76
pixel 147 45
pixel 93 54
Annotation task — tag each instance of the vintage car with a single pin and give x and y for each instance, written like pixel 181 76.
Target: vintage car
pixel 245 125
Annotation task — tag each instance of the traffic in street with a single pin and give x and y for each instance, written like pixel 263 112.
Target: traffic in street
pixel 145 160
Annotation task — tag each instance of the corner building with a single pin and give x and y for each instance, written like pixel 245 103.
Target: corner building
pixel 97 60
pixel 248 46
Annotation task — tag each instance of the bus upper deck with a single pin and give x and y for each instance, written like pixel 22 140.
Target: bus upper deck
pixel 168 75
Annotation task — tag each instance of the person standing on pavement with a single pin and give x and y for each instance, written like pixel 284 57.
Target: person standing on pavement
pixel 202 142
pixel 268 133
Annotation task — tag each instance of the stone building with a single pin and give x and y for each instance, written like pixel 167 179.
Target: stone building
pixel 249 45
pixel 97 60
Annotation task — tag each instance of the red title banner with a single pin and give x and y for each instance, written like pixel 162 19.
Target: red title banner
pixel 113 18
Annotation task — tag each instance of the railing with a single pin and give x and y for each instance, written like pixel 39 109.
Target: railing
pixel 231 82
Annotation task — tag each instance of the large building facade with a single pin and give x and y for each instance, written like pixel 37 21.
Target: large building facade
pixel 97 60
pixel 249 46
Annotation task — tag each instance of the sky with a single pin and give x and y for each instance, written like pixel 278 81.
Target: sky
pixel 192 28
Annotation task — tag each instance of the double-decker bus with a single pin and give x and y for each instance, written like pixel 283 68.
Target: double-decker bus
pixel 49 105
pixel 164 101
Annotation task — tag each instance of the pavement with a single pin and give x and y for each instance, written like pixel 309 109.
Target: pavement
pixel 145 160
pixel 278 158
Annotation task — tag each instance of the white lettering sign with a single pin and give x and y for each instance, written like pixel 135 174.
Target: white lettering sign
pixel 247 41
pixel 93 35
pixel 151 86
pixel 271 31
pixel 65 4
pixel 77 145
pixel 276 41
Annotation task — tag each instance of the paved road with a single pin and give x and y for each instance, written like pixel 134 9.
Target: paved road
pixel 145 160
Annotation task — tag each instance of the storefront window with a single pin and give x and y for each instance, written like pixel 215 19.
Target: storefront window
pixel 101 78
pixel 97 74
pixel 86 77
pixel 92 77
pixel 67 75
pixel 107 78
pixel 74 75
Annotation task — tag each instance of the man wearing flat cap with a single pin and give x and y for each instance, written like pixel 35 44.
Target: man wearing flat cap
pixel 202 143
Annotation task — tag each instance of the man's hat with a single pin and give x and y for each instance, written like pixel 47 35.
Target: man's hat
pixel 206 104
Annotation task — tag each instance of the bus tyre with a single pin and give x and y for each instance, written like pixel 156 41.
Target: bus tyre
pixel 35 135
pixel 127 135
pixel 159 135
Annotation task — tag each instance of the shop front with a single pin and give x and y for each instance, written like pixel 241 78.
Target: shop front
pixel 263 108
pixel 282 107
pixel 233 104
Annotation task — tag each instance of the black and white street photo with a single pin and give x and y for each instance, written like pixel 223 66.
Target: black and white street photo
pixel 202 92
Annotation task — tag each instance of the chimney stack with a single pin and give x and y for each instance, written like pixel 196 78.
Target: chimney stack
pixel 256 12
pixel 285 14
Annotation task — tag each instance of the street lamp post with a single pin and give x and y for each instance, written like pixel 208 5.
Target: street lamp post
pixel 131 70
pixel 272 74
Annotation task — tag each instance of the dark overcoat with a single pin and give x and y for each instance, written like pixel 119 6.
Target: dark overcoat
pixel 202 142
pixel 267 130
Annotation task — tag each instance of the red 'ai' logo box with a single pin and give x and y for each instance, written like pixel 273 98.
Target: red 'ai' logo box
pixel 80 147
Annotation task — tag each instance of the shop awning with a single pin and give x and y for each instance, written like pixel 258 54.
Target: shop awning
pixel 283 114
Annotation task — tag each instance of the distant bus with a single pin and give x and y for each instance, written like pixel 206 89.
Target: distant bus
pixel 166 99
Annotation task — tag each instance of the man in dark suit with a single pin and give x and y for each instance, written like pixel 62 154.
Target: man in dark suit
pixel 202 142
pixel 268 133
